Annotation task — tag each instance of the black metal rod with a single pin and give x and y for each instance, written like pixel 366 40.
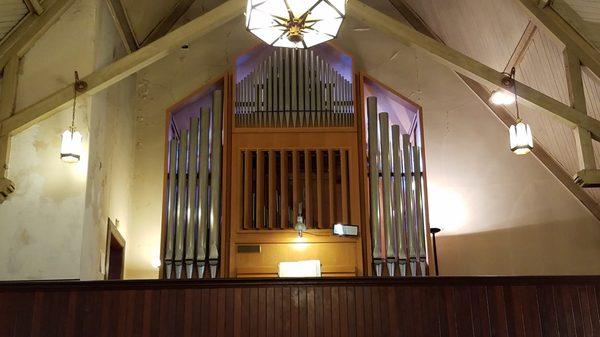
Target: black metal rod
pixel 434 231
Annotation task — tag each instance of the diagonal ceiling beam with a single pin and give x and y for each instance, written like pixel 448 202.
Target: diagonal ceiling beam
pixel 468 66
pixel 503 114
pixel 31 28
pixel 521 48
pixel 127 65
pixel 123 25
pixel 165 25
pixel 546 18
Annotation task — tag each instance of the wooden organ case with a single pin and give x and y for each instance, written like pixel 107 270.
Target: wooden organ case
pixel 296 146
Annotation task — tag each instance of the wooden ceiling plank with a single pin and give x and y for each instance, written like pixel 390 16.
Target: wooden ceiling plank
pixel 167 23
pixel 546 18
pixel 31 28
pixel 504 115
pixel 123 25
pixel 122 68
pixel 468 66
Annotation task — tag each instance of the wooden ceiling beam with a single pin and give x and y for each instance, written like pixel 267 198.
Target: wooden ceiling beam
pixel 123 25
pixel 521 48
pixel 167 23
pixel 35 6
pixel 31 29
pixel 468 66
pixel 546 18
pixel 503 115
pixel 122 68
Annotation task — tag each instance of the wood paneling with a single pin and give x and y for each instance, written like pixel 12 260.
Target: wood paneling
pixel 475 306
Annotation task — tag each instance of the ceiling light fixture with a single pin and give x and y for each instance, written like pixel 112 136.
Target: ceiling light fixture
pixel 521 138
pixel 70 149
pixel 295 23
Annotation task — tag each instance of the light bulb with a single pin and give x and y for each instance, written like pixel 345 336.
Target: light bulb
pixel 502 97
pixel 71 146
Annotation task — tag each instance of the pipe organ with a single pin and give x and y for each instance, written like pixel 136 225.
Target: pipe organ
pixel 193 197
pixel 397 201
pixel 295 150
pixel 294 88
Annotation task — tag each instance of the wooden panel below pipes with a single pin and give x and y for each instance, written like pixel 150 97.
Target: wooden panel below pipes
pixel 278 174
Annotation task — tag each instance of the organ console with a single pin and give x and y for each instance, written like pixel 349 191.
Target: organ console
pixel 288 133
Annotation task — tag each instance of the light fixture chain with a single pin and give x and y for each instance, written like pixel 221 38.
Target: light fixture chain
pixel 74 102
pixel 514 81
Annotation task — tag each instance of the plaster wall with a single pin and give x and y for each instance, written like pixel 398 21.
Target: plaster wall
pixel 54 226
pixel 108 192
pixel 40 224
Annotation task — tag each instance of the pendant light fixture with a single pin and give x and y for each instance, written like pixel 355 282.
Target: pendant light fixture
pixel 71 145
pixel 521 139
pixel 295 23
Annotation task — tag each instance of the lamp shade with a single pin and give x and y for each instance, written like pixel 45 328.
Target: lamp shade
pixel 295 23
pixel 521 139
pixel 70 149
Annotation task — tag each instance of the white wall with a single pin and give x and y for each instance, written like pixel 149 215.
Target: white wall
pixel 108 193
pixel 40 225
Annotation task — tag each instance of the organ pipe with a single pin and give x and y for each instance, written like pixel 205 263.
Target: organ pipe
pixel 399 216
pixel 293 88
pixel 384 131
pixel 194 202
pixel 374 182
pixel 203 191
pixel 396 197
pixel 215 181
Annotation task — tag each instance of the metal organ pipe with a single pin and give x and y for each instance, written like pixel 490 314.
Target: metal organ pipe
pixel 203 191
pixel 215 181
pixel 181 203
pixel 171 208
pixel 193 218
pixel 390 247
pixel 374 182
pixel 410 200
pixel 396 201
pixel 399 218
pixel 420 214
pixel 192 209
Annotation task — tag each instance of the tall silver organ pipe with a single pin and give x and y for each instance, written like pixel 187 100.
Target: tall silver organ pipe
pixel 410 204
pixel 374 183
pixel 181 203
pixel 193 203
pixel 386 175
pixel 294 88
pixel 215 182
pixel 420 212
pixel 203 191
pixel 399 216
pixel 396 197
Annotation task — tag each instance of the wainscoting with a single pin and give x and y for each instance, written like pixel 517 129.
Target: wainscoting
pixel 462 306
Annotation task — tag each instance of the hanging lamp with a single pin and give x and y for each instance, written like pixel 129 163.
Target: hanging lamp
pixel 295 23
pixel 71 145
pixel 521 138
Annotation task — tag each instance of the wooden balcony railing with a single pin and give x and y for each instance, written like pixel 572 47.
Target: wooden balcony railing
pixel 446 306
